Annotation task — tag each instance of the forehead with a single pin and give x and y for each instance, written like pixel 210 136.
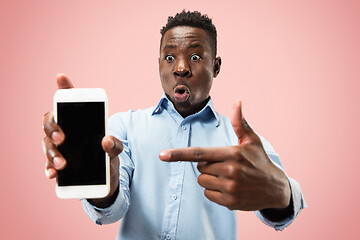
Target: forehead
pixel 185 35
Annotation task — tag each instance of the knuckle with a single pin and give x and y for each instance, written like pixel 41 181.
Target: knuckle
pixel 49 125
pixel 198 154
pixel 231 187
pixel 236 152
pixel 50 154
pixel 253 140
pixel 46 141
pixel 49 149
pixel 232 170
pixel 175 154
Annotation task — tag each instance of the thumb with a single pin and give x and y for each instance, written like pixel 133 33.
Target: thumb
pixel 63 81
pixel 112 146
pixel 241 127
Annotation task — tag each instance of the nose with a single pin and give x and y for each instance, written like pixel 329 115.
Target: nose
pixel 182 68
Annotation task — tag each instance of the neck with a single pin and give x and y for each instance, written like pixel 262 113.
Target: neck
pixel 190 110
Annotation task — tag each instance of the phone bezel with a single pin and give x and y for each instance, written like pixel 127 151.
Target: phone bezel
pixel 84 95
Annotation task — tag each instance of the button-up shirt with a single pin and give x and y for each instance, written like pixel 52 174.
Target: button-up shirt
pixel 163 200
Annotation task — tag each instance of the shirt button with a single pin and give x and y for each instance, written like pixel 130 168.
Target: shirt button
pixel 168 236
pixel 184 128
pixel 173 197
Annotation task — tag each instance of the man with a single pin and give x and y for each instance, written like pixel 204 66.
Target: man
pixel 180 169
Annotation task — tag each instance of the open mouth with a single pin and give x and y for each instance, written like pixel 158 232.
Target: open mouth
pixel 181 93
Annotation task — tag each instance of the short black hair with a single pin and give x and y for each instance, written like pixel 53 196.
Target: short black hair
pixel 192 19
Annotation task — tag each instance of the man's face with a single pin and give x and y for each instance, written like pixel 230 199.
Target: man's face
pixel 187 66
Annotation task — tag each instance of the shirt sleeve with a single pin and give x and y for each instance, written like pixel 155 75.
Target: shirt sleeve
pixel 298 200
pixel 121 204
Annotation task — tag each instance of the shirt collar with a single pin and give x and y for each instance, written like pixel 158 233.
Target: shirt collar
pixel 165 103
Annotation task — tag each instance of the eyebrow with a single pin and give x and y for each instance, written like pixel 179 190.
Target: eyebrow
pixel 169 46
pixel 195 45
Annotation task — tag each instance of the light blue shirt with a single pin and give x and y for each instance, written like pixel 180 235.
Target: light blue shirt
pixel 162 200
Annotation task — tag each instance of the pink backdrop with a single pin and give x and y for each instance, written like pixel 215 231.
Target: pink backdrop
pixel 295 65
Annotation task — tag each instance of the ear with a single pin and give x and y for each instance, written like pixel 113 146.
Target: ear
pixel 217 65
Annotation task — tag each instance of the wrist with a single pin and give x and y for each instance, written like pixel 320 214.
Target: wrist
pixel 279 214
pixel 281 191
pixel 105 202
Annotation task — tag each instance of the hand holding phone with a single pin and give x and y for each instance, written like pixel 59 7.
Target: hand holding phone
pixel 55 136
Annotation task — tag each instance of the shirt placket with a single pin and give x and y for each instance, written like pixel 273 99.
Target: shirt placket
pixel 172 207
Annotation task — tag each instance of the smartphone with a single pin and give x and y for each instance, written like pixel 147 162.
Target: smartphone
pixel 82 115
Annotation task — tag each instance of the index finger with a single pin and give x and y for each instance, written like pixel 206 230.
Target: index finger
pixel 197 154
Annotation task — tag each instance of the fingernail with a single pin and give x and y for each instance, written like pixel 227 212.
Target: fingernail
pixel 58 162
pixel 165 155
pixel 111 143
pixel 56 137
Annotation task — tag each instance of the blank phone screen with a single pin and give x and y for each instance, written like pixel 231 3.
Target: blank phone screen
pixel 84 126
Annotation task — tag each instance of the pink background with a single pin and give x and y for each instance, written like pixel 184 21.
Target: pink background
pixel 295 65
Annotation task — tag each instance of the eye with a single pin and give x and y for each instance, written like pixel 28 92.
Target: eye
pixel 169 58
pixel 195 57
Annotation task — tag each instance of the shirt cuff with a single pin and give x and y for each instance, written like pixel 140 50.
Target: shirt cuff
pixel 298 204
pixel 107 215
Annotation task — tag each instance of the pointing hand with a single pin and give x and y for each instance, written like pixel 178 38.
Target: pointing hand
pixel 239 177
